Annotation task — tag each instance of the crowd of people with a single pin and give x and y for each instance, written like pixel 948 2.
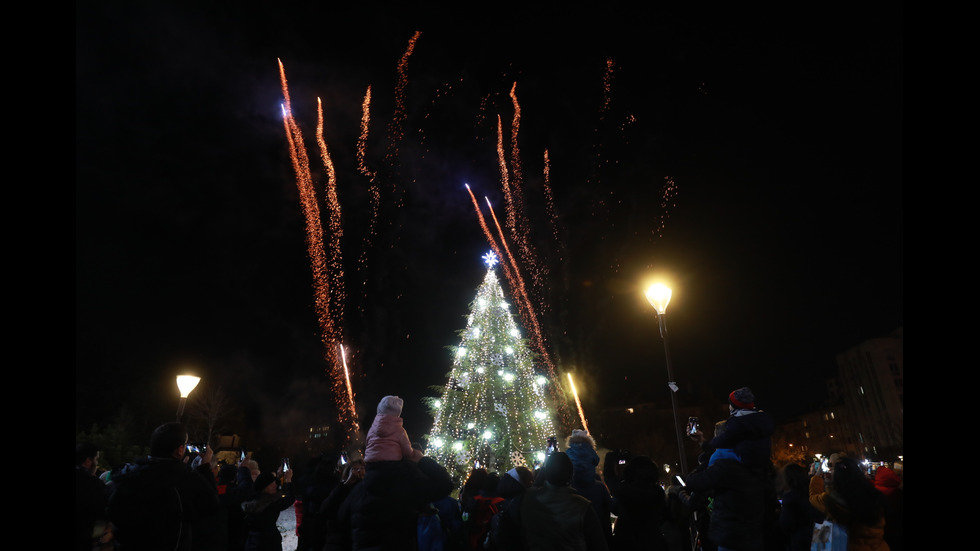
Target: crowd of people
pixel 393 497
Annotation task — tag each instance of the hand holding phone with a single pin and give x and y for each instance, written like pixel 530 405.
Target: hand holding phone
pixel 692 426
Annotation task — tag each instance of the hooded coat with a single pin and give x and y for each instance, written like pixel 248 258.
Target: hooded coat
pixel 585 481
pixel 738 518
pixel 387 439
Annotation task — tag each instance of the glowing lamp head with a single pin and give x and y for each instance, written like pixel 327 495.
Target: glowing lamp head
pixel 659 296
pixel 487 435
pixel 187 383
pixel 457 445
pixel 438 442
pixel 542 380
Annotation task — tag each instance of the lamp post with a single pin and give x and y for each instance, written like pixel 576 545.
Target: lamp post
pixel 186 383
pixel 659 296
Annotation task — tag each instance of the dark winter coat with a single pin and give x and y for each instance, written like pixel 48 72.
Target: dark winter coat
pixel 381 511
pixel 336 536
pixel 557 517
pixel 155 503
pixel 749 433
pixel 261 515
pixel 796 519
pixel 739 503
pixel 640 507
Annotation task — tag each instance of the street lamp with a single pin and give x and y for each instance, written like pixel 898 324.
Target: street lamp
pixel 186 383
pixel 659 296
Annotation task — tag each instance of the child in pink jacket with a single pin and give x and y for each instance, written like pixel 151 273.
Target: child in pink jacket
pixel 387 439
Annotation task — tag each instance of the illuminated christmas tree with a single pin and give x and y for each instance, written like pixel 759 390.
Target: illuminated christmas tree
pixel 494 411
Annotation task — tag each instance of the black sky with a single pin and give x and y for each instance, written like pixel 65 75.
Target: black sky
pixel 782 133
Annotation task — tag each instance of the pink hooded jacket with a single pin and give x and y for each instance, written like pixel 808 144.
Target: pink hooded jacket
pixel 387 439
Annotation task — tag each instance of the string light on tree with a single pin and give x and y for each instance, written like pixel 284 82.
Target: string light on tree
pixel 494 409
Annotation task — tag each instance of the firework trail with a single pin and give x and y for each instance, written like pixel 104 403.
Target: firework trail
pixel 337 295
pixel 667 194
pixel 350 389
pixel 521 228
pixel 486 231
pixel 515 203
pixel 530 318
pixel 581 412
pixel 550 207
pixel 362 138
pixel 396 130
pixel 329 333
pixel 373 190
pixel 517 221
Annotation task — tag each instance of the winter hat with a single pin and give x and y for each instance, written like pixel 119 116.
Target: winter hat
pixel 391 405
pixel 262 481
pixel 742 398
pixel 580 437
pixel 558 469
pixel 886 481
pixel 523 475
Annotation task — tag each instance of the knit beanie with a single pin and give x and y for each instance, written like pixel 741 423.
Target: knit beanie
pixel 742 398
pixel 391 405
pixel 262 481
pixel 886 481
pixel 558 469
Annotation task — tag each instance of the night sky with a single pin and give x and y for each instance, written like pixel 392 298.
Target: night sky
pixel 754 158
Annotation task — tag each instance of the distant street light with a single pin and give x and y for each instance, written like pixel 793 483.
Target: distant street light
pixel 186 383
pixel 659 297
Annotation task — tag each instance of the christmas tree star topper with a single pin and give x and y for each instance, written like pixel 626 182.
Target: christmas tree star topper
pixel 490 258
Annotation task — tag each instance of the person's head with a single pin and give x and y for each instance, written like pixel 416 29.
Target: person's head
pixel 391 405
pixel 352 470
pixel 490 484
pixel 169 440
pixel 227 474
pixel 641 469
pixel 851 486
pixel 580 438
pixel 794 477
pixel 253 468
pixel 558 469
pixel 524 475
pixel 720 428
pixel 87 456
pixel 741 398
pixel 265 483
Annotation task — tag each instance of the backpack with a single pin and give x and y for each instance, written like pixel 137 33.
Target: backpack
pixel 484 509
pixel 505 528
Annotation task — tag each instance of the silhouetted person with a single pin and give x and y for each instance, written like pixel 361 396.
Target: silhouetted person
pixel 154 503
pixel 90 499
pixel 553 516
